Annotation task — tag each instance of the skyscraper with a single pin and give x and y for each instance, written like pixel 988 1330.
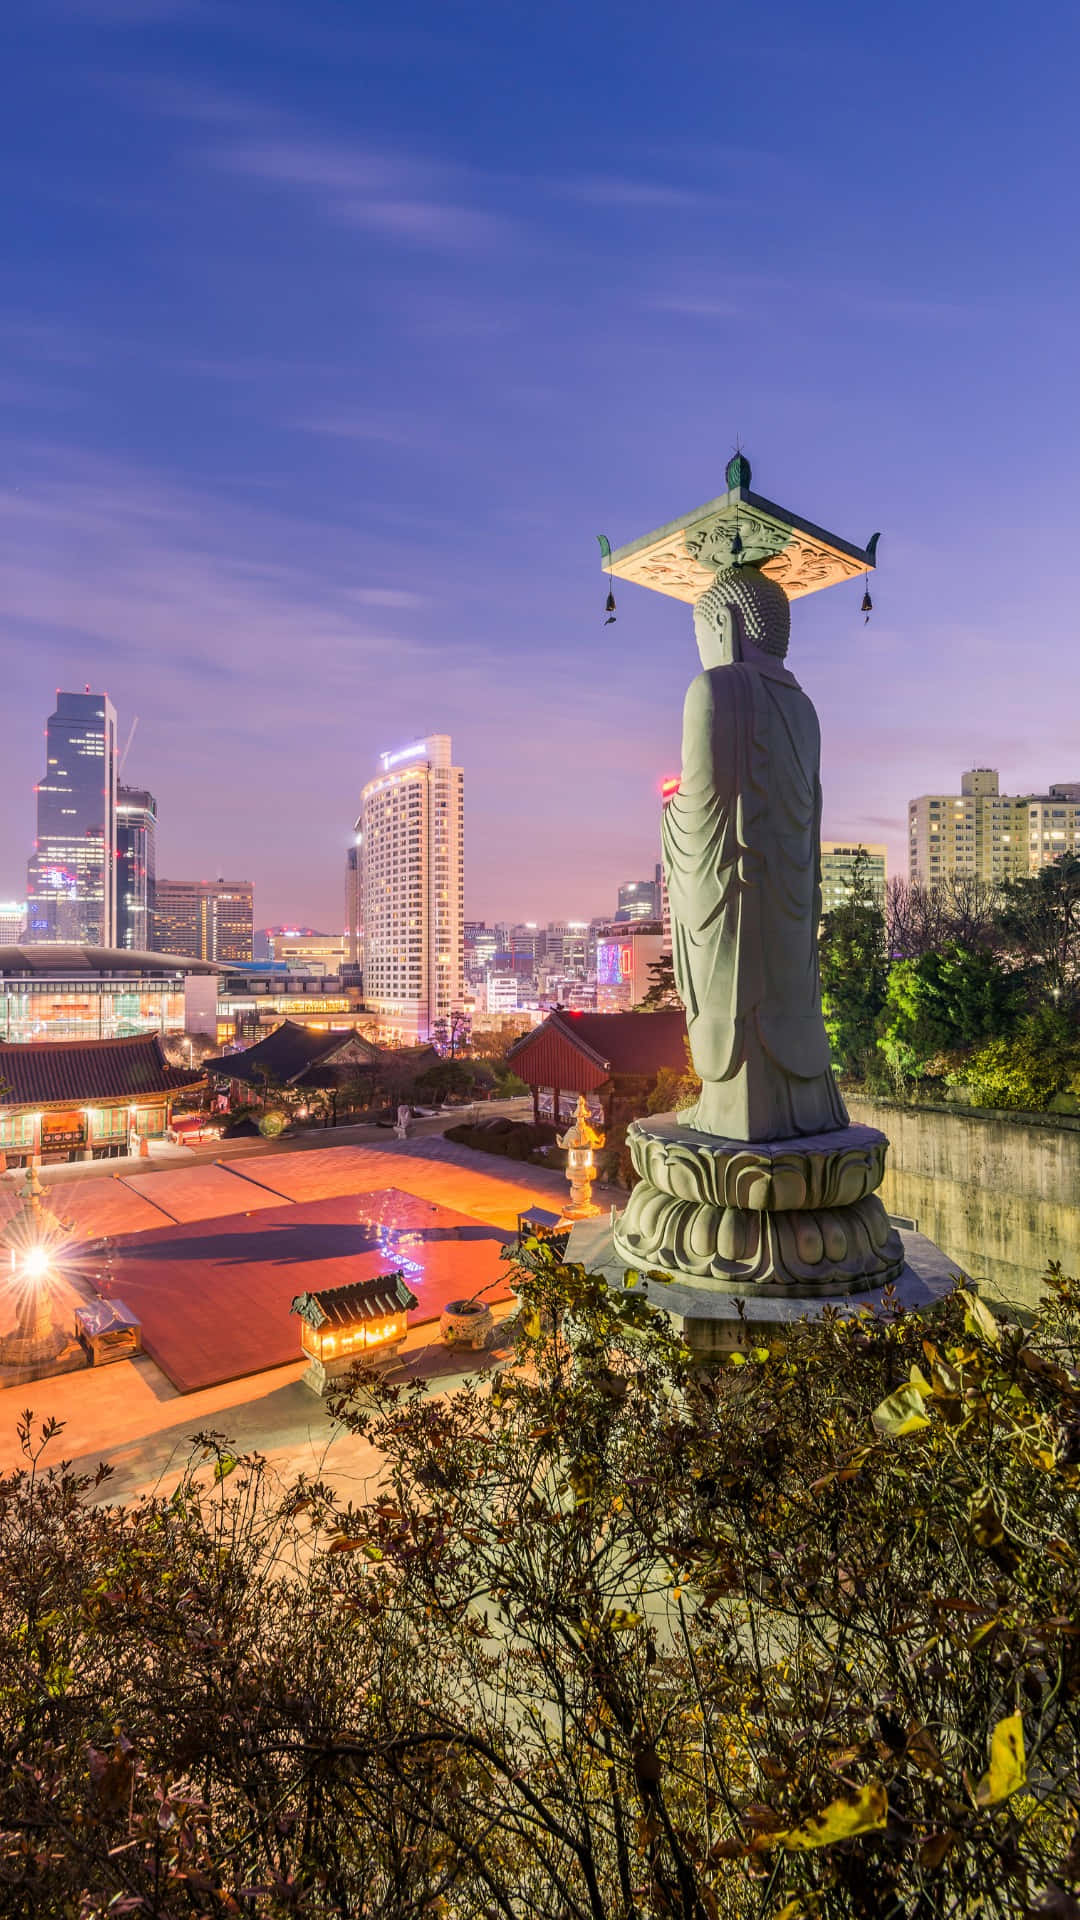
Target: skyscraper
pixel 136 844
pixel 71 874
pixel 354 912
pixel 205 919
pixel 413 889
pixel 638 901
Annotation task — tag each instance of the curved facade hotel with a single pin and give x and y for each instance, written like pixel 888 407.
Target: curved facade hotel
pixel 412 885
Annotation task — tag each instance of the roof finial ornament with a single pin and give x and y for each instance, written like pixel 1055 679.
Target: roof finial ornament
pixel 737 473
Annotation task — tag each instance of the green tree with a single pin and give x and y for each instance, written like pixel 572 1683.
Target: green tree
pixel 449 1078
pixel 1039 1064
pixel 1040 919
pixel 673 1090
pixel 506 1082
pixel 944 1003
pixel 613 1638
pixel 854 969
pixel 661 992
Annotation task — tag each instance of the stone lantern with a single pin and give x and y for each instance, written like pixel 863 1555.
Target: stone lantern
pixel 31 1240
pixel 581 1141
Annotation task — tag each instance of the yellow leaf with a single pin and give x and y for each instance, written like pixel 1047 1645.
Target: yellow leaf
pixel 978 1317
pixel 1008 1763
pixel 903 1412
pixel 861 1811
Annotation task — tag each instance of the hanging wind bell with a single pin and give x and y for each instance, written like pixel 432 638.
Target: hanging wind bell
pixel 867 606
pixel 609 603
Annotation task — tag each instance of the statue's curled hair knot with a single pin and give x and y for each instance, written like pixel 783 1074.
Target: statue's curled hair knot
pixel 762 606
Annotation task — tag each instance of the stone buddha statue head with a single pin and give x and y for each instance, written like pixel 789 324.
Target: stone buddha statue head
pixel 744 616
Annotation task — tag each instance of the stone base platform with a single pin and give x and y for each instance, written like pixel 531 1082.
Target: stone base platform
pixel 707 1317
pixel 787 1216
pixel 69 1356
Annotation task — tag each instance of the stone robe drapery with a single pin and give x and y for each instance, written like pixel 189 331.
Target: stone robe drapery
pixel 741 843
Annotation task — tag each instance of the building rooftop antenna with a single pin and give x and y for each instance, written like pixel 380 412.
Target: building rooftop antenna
pixel 127 748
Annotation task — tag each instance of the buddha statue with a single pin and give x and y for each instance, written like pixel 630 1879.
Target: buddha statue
pixel 741 842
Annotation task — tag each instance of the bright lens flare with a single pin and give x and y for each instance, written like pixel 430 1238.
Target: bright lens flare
pixel 35 1263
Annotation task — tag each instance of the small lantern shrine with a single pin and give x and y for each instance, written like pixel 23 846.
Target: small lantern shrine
pixel 581 1141
pixel 344 1326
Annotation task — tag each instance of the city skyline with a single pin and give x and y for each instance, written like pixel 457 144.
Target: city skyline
pixel 310 436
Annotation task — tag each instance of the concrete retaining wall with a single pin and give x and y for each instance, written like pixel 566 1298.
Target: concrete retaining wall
pixel 1000 1194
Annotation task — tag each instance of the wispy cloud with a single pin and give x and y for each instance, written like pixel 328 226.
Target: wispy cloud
pixel 387 597
pixel 378 429
pixel 596 190
pixel 695 306
pixel 124 13
pixel 414 201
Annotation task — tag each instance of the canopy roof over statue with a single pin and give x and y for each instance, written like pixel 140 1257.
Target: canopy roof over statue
pixel 739 528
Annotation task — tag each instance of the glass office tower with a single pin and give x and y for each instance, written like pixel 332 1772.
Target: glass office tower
pixel 136 853
pixel 71 875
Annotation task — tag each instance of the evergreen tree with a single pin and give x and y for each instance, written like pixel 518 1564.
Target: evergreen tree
pixel 854 971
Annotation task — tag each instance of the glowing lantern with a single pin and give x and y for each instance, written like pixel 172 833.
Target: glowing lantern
pixel 581 1140
pixel 342 1326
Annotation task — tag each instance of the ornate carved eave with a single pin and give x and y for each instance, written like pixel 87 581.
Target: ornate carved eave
pixel 683 558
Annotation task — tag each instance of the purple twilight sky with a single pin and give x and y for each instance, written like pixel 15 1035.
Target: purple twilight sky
pixel 333 335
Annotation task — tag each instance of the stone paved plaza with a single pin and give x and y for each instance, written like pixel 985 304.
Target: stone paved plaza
pixel 133 1415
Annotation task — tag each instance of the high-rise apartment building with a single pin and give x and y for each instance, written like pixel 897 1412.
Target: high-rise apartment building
pixel 838 858
pixel 206 919
pixel 136 854
pixel 71 874
pixel 984 834
pixel 413 890
pixel 12 922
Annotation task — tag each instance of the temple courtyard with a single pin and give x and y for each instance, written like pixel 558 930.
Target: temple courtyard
pixel 209 1257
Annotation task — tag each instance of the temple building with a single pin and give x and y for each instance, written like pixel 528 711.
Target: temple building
pixel 85 1099
pixel 613 1057
pixel 293 1061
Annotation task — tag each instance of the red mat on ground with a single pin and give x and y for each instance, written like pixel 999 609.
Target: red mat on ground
pixel 214 1295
